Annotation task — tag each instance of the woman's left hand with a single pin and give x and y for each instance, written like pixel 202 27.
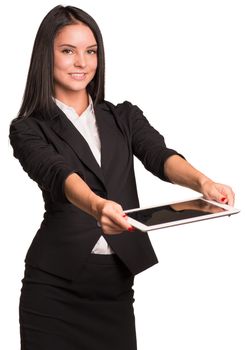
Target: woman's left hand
pixel 218 192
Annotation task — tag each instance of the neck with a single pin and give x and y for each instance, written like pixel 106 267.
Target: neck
pixel 79 101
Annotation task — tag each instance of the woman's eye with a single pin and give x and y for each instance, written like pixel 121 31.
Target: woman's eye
pixel 67 51
pixel 91 52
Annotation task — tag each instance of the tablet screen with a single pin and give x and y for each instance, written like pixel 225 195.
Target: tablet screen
pixel 174 212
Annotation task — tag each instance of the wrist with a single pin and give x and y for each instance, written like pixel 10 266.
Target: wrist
pixel 202 182
pixel 95 204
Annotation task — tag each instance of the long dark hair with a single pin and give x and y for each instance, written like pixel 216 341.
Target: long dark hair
pixel 39 88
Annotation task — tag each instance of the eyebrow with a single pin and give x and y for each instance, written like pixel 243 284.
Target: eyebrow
pixel 88 47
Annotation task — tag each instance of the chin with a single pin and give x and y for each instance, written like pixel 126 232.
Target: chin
pixel 76 88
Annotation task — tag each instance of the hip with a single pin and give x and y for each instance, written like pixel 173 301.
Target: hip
pixel 93 312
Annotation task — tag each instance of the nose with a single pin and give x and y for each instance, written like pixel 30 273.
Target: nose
pixel 80 60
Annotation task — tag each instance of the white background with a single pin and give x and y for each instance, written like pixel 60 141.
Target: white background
pixel 183 64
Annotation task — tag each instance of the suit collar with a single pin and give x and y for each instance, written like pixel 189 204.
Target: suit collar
pixel 55 111
pixel 68 132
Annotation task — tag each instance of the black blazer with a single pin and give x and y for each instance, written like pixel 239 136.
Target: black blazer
pixel 49 149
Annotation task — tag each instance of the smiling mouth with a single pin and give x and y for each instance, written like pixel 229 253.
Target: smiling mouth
pixel 78 76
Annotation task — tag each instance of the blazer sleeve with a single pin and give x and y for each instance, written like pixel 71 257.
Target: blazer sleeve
pixel 39 159
pixel 147 143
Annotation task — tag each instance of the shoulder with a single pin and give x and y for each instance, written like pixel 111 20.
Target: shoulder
pixel 36 118
pixel 25 125
pixel 19 123
pixel 123 109
pixel 119 106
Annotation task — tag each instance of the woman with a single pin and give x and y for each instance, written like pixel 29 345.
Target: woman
pixel 77 288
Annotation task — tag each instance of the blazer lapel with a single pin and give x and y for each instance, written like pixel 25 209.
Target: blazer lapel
pixel 68 132
pixel 108 138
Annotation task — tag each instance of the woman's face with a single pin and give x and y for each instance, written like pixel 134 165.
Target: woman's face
pixel 75 60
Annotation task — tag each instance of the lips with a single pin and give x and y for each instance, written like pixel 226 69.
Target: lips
pixel 78 75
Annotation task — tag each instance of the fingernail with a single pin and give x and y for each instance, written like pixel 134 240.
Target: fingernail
pixel 223 199
pixel 124 215
pixel 130 229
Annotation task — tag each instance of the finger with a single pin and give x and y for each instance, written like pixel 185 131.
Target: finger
pixel 109 223
pixel 112 229
pixel 228 199
pixel 217 196
pixel 125 227
pixel 231 198
pixel 228 196
pixel 111 226
pixel 120 220
pixel 221 193
pixel 114 217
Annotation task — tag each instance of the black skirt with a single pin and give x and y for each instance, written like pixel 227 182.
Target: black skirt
pixel 94 313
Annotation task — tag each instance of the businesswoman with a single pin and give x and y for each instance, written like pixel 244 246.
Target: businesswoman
pixel 77 288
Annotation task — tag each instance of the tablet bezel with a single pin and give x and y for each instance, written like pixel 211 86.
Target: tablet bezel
pixel 229 211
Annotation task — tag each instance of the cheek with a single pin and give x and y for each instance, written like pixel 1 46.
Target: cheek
pixel 61 62
pixel 94 63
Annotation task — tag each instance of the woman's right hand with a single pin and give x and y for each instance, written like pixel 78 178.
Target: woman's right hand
pixel 110 216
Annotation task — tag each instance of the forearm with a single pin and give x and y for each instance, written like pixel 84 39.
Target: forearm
pixel 79 194
pixel 180 172
pixel 109 214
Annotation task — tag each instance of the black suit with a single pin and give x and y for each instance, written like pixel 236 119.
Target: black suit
pixel 50 149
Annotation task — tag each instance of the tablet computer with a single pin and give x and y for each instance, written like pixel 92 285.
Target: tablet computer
pixel 177 213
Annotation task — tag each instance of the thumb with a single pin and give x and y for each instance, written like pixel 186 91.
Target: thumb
pixel 217 195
